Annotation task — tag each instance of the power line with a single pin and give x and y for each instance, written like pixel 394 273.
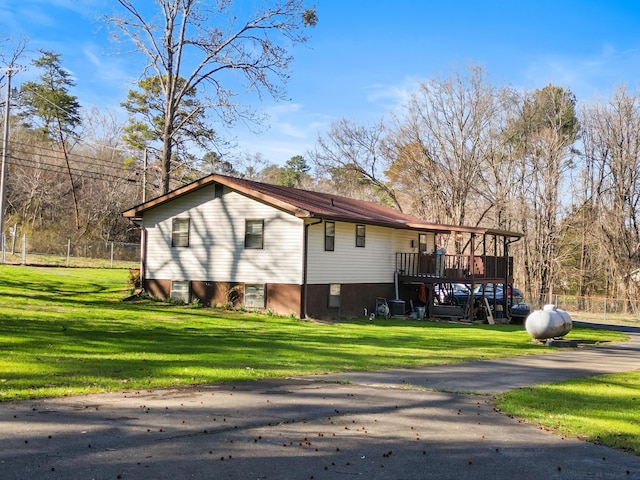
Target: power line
pixel 77 155
pixel 29 150
pixel 50 167
pixel 24 161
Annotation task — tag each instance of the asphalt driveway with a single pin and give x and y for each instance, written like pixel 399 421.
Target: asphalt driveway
pixel 432 423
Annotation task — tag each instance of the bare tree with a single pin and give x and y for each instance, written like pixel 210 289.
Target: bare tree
pixel 354 156
pixel 104 181
pixel 197 45
pixel 111 178
pixel 37 188
pixel 612 161
pixel 11 51
pixel 442 145
pixel 252 166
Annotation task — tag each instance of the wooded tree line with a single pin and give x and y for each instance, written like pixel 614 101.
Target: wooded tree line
pixel 463 151
pixel 460 150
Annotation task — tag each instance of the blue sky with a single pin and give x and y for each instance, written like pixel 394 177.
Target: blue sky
pixel 365 57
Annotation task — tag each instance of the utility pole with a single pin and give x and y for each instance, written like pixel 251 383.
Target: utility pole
pixel 144 176
pixel 5 151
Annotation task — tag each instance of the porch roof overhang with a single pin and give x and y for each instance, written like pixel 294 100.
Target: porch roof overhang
pixel 443 228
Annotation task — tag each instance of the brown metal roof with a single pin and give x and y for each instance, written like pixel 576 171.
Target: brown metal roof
pixel 308 204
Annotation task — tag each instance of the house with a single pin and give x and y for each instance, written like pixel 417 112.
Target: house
pixel 309 254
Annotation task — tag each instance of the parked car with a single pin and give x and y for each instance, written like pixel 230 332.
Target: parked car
pixel 459 294
pixel 452 294
pixel 519 313
pixel 491 292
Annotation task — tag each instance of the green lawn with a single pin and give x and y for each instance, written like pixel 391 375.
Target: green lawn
pixel 67 332
pixel 602 409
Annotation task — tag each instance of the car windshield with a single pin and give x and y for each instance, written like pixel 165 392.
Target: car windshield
pixel 489 289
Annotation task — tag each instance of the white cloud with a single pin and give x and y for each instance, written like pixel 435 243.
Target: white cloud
pixel 586 75
pixel 111 70
pixel 92 57
pixel 393 94
pixel 296 131
pixel 291 129
pixel 293 120
pixel 282 109
pixel 389 98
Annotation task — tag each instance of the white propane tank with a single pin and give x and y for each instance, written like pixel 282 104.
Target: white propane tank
pixel 550 322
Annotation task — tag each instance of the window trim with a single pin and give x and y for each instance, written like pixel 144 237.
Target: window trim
pixel 329 239
pixel 250 239
pixel 178 234
pixel 361 235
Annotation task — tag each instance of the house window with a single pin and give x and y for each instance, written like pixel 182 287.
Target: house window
pixel 253 236
pixel 254 295
pixel 422 242
pixel 360 235
pixel 329 236
pixel 180 232
pixel 180 291
pixel 334 295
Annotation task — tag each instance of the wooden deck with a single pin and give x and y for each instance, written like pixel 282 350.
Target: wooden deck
pixel 435 268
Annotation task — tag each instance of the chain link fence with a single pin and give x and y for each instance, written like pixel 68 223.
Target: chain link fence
pixel 31 250
pixel 600 308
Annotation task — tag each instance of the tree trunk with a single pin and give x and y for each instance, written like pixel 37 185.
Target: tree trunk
pixel 76 210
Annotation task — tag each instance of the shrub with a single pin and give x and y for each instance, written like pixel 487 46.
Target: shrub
pixel 135 280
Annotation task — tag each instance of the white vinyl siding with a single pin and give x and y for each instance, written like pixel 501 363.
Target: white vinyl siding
pixel 407 241
pixel 348 263
pixel 351 264
pixel 216 245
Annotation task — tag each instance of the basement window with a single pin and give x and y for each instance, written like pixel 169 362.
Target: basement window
pixel 180 291
pixel 334 295
pixel 254 295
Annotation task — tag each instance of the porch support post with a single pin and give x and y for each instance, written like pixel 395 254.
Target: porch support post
pixel 472 257
pixel 506 289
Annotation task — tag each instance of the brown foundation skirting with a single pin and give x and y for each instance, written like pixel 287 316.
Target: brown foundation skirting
pixel 285 299
pixel 354 298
